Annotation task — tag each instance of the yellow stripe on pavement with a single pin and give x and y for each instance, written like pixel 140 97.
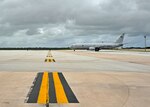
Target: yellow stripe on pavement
pixel 43 97
pixel 60 93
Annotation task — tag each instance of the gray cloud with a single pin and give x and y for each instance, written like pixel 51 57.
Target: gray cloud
pixel 62 22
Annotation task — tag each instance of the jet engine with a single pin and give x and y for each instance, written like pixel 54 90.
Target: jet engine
pixel 94 48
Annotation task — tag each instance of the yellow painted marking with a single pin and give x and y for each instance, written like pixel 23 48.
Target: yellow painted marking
pixel 49 60
pixel 43 97
pixel 49 57
pixel 60 93
pixel 49 54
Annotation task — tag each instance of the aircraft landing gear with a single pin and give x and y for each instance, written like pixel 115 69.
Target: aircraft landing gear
pixel 97 49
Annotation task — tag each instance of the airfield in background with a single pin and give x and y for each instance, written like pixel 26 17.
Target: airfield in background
pixel 108 78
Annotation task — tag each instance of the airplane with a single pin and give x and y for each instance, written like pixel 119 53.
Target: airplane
pixel 98 46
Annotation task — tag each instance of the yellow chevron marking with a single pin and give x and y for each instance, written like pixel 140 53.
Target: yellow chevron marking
pixel 43 97
pixel 60 93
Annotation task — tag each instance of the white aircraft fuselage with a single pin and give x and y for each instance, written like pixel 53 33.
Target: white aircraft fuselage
pixel 101 45
pixel 98 46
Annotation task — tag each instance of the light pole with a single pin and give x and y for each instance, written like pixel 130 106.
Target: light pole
pixel 145 42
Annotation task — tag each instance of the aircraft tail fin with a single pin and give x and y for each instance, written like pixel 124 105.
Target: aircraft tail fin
pixel 120 39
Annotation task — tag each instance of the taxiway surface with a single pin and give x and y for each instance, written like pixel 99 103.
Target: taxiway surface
pixel 102 79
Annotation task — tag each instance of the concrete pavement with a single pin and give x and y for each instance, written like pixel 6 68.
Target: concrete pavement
pixel 96 81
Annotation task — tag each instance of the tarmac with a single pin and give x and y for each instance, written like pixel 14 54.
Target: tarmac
pixel 98 79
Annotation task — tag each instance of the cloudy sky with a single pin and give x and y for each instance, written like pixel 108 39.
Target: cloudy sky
pixel 35 23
